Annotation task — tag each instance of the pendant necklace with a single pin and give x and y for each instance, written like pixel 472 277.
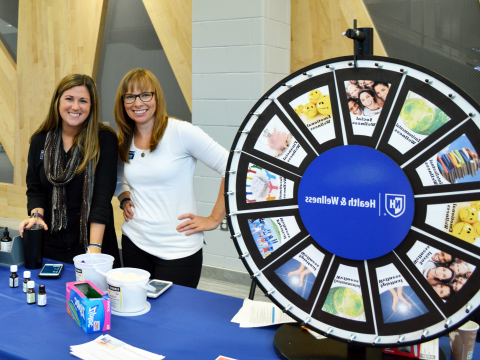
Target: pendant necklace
pixel 143 151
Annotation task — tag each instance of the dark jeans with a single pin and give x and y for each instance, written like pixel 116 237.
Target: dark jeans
pixel 185 271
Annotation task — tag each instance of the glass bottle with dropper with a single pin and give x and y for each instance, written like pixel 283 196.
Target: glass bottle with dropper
pixel 31 293
pixel 26 275
pixel 6 242
pixel 14 276
pixel 42 296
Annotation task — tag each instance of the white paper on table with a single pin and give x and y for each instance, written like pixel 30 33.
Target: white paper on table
pixel 257 314
pixel 429 350
pixel 107 347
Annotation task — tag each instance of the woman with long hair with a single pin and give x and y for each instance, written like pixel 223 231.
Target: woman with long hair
pixel 381 89
pixel 71 174
pixel 369 104
pixel 158 155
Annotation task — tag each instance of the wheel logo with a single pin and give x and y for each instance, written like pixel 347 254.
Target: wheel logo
pixel 395 204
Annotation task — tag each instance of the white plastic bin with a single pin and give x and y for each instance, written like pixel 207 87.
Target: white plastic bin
pixel 128 295
pixel 84 269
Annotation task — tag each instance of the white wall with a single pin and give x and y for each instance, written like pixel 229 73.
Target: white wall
pixel 241 48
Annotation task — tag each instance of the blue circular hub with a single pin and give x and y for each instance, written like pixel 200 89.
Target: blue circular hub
pixel 356 202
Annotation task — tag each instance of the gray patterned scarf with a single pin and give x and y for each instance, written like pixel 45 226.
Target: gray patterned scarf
pixel 59 176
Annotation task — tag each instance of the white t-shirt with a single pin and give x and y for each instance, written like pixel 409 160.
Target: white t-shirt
pixel 161 188
pixel 368 112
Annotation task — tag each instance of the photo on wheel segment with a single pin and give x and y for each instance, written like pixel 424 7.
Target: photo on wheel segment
pixel 457 163
pixel 314 108
pixel 271 233
pixel 300 272
pixel 399 301
pixel 445 273
pixel 365 99
pixel 418 119
pixel 264 185
pixel 277 141
pixel 457 219
pixel 345 298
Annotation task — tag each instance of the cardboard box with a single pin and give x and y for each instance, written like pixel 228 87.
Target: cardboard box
pixel 88 306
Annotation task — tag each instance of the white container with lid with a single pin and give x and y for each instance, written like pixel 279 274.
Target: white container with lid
pixel 128 295
pixel 85 270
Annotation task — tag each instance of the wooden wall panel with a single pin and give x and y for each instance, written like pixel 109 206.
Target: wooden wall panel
pixel 55 38
pixel 172 20
pixel 8 81
pixel 317 26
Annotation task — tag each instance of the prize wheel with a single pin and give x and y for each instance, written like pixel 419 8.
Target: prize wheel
pixel 354 203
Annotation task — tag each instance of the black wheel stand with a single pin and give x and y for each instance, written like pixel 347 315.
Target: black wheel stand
pixel 291 342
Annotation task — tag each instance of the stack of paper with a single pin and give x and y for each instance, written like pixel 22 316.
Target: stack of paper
pixel 107 347
pixel 429 350
pixel 257 314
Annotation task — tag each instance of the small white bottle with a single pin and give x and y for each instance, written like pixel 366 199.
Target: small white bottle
pixel 31 293
pixel 26 276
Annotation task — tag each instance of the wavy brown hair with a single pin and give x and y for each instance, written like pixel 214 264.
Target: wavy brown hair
pixel 86 137
pixel 141 80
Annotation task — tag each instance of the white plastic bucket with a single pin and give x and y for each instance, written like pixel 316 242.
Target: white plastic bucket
pixel 85 270
pixel 128 295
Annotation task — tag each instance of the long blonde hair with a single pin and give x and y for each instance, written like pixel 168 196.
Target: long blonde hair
pixel 86 137
pixel 142 80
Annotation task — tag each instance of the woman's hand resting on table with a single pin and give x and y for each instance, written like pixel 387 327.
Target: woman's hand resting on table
pixel 28 223
pixel 197 223
pixel 128 210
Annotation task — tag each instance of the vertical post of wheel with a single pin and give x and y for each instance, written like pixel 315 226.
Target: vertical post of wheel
pixel 365 47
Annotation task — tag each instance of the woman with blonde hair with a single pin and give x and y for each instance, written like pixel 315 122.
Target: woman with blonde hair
pixel 71 174
pixel 158 155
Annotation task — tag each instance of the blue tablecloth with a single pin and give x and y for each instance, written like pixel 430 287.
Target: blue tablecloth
pixel 183 323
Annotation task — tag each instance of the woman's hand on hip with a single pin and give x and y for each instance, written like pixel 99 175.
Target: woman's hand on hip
pixel 196 223
pixel 28 223
pixel 128 210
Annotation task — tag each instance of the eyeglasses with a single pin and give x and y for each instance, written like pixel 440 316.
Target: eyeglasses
pixel 131 98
